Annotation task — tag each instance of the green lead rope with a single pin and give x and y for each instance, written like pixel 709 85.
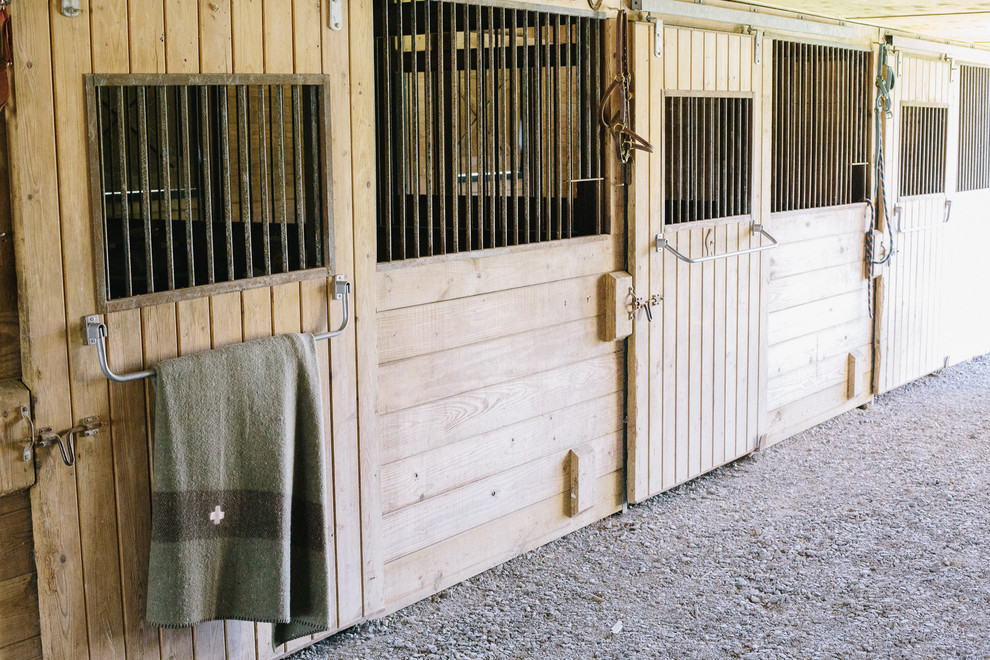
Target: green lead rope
pixel 885 83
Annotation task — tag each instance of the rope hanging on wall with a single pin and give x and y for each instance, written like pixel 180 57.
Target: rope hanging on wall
pixel 627 140
pixel 883 108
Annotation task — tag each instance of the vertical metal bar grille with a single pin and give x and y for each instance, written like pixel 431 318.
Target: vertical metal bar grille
pixel 177 166
pixel 974 128
pixel 820 126
pixel 922 158
pixel 487 134
pixel 707 157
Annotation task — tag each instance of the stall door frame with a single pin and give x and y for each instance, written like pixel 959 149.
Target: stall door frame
pixel 692 408
pixel 909 334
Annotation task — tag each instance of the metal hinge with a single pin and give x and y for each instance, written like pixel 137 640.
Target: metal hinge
pixel 336 14
pixel 644 304
pixel 757 43
pixel 657 35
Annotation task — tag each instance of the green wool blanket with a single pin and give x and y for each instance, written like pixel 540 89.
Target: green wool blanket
pixel 239 510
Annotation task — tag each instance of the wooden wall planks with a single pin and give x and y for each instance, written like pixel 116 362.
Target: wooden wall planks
pixel 10 345
pixel 20 629
pixel 449 431
pixel 491 369
pixel 98 513
pixel 818 315
pixel 695 373
pixel 910 341
pixel 481 398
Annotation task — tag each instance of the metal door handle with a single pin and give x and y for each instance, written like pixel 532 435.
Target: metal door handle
pixel 664 244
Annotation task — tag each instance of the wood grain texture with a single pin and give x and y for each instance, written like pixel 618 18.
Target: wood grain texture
pixel 45 368
pixel 707 347
pixel 19 604
pixel 10 341
pixel 364 250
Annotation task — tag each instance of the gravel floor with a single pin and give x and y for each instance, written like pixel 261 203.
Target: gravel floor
pixel 867 536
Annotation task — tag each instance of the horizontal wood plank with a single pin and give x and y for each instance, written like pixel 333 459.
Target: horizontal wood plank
pixel 28 649
pixel 808 286
pixel 827 343
pixel 15 502
pixel 17 547
pixel 459 557
pixel 431 521
pixel 19 604
pixel 480 411
pixel 428 474
pixel 412 331
pixel 808 318
pixel 816 254
pixel 810 224
pixel 436 376
pixel 793 418
pixel 460 276
pixel 800 383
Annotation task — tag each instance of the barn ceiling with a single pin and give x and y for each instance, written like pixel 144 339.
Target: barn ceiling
pixel 960 20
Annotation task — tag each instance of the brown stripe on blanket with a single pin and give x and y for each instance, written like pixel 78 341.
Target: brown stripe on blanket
pixel 216 514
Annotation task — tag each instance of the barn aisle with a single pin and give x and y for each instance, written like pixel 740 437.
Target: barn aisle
pixel 865 536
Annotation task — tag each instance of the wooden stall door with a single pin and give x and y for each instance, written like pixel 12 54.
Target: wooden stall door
pixel 909 337
pixel 697 372
pixel 91 522
pixel 497 392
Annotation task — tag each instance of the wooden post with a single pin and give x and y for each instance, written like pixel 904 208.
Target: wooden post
pixel 581 471
pixel 853 386
pixel 618 324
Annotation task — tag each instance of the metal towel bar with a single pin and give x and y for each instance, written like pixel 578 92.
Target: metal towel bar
pixel 96 334
pixel 899 214
pixel 663 244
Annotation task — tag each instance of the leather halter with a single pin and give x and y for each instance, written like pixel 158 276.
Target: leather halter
pixel 618 122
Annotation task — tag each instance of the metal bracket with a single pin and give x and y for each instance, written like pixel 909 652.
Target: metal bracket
pixel 94 330
pixel 657 35
pixel 643 303
pixel 336 14
pixel 757 43
pixel 29 446
pixel 70 8
pixel 341 287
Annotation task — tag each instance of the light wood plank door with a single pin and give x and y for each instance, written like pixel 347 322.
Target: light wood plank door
pixel 919 152
pixel 697 371
pixel 91 522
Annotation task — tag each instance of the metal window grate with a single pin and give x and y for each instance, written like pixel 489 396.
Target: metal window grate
pixel 213 182
pixel 820 125
pixel 707 157
pixel 974 128
pixel 923 132
pixel 487 133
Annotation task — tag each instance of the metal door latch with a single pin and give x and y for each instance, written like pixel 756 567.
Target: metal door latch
pixel 66 440
pixel 645 304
